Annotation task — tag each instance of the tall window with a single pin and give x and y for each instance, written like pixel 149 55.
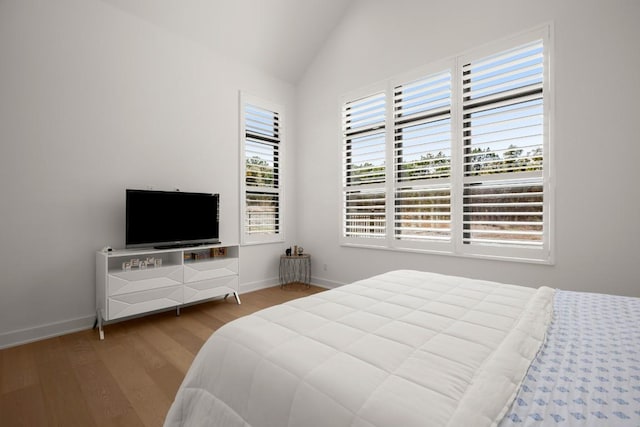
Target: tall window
pixel 503 140
pixel 363 163
pixel 261 171
pixel 422 159
pixel 455 160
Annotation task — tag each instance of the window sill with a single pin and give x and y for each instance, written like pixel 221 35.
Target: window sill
pixel 488 256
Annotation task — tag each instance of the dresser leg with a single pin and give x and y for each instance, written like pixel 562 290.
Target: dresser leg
pixel 99 323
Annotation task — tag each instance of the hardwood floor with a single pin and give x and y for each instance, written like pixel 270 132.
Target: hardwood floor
pixel 129 379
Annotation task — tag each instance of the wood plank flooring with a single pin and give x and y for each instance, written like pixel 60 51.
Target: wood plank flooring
pixel 129 379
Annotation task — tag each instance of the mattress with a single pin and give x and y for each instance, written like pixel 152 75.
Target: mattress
pixel 404 348
pixel 588 371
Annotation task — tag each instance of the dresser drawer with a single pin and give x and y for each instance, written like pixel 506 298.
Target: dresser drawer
pixel 205 289
pixel 197 271
pixel 141 302
pixel 142 280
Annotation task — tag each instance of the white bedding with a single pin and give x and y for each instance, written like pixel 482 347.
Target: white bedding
pixel 405 348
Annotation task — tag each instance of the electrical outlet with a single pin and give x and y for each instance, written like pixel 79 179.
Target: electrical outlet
pixel 324 267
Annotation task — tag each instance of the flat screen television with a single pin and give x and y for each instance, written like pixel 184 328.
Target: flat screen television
pixel 164 219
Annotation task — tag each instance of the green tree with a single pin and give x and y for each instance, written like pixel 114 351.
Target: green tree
pixel 259 172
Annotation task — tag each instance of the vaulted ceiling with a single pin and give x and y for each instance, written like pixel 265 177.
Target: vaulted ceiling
pixel 279 37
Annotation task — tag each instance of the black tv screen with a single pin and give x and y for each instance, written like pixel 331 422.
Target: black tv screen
pixel 170 218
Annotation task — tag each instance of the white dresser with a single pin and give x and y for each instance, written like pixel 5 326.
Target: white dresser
pixel 138 281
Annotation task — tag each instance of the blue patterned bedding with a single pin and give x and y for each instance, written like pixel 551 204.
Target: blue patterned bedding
pixel 587 372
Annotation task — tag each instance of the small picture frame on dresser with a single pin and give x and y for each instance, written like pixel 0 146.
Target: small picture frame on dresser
pixel 219 252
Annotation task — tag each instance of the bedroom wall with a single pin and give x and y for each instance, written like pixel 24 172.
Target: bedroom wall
pixel 93 101
pixel 597 212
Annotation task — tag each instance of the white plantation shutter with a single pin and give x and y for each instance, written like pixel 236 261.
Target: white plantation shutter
pixel 364 156
pixel 456 161
pixel 422 159
pixel 365 213
pixel 503 139
pixel 261 166
pixel 423 213
pixel 504 212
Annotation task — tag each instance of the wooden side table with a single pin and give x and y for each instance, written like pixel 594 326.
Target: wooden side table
pixel 295 269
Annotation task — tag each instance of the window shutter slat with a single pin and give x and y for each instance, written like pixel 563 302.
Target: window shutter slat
pixel 261 122
pixel 364 160
pixel 423 213
pixel 262 196
pixel 422 152
pixel 262 213
pixel 503 133
pixel 508 212
pixel 365 214
pixel 503 130
pixel 423 144
pixel 364 151
pixel 364 114
pixel 512 69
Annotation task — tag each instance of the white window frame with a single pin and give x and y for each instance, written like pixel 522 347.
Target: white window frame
pixel 363 241
pixel 429 245
pixel 543 254
pixel 279 235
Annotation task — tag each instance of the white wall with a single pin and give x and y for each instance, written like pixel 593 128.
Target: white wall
pixel 595 138
pixel 93 101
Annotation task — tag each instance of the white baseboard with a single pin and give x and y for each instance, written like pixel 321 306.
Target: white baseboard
pixel 25 336
pixel 269 283
pixel 263 284
pixel 325 283
pixel 257 285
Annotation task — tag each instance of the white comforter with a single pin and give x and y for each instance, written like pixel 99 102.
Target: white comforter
pixel 405 348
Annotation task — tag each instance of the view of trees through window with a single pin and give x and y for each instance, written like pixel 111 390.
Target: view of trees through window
pixel 518 205
pixel 261 171
pixel 501 134
pixel 262 207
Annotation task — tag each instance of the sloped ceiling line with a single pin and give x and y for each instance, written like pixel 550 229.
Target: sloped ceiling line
pixel 279 37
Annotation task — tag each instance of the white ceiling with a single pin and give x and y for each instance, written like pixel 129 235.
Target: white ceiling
pixel 280 37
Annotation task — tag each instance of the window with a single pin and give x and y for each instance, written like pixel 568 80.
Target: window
pixel 261 166
pixel 503 141
pixel 363 163
pixel 422 159
pixel 455 158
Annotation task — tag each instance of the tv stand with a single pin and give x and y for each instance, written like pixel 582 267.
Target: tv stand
pixel 132 282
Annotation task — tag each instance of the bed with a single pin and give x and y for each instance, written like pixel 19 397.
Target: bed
pixel 409 348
